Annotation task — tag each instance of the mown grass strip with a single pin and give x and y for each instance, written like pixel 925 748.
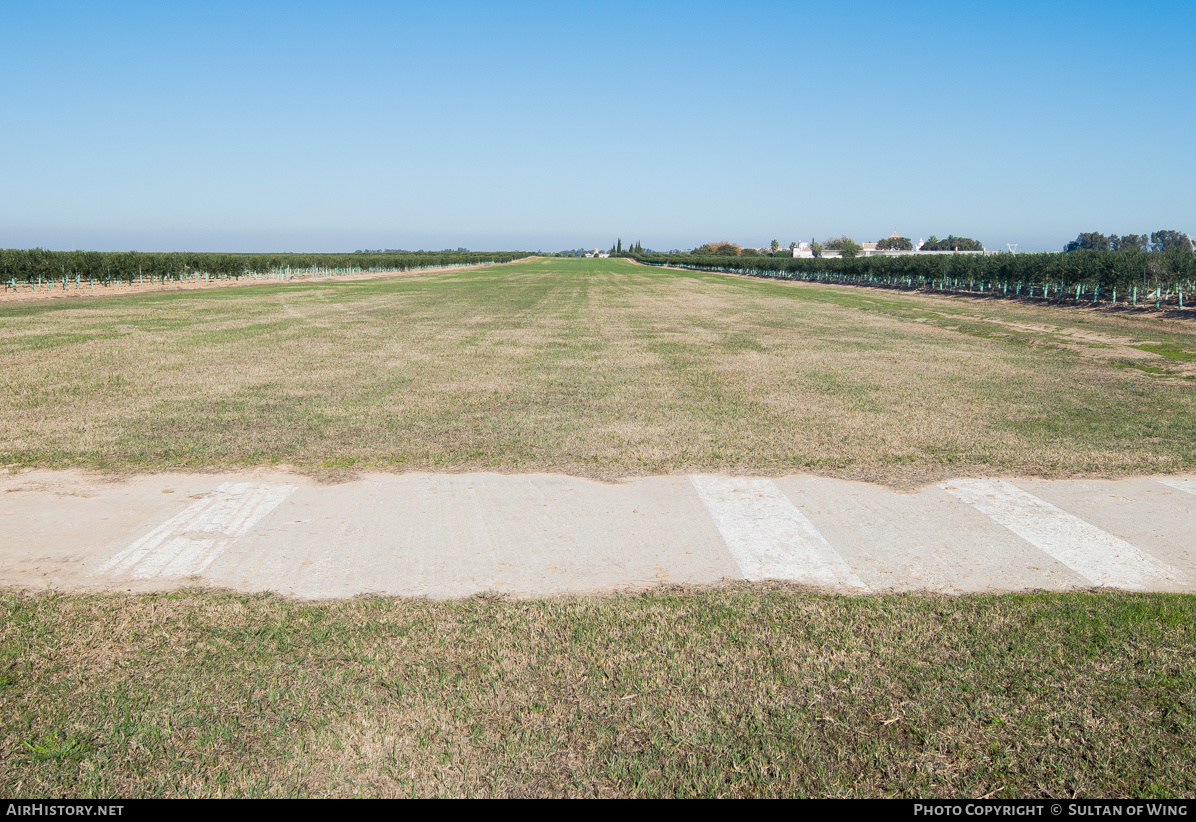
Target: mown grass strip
pixel 592 367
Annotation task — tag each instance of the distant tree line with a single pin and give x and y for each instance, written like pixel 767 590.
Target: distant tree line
pixel 1158 241
pixel 719 249
pixel 25 265
pixel 952 243
pixel 1085 271
pixel 617 249
pixel 844 245
pixel 405 251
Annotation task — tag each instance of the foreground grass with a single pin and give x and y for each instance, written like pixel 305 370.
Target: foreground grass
pixel 594 367
pixel 738 692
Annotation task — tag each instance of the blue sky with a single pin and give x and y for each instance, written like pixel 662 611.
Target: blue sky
pixel 328 127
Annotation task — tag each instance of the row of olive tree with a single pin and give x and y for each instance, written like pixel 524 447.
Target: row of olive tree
pixel 25 265
pixel 1096 273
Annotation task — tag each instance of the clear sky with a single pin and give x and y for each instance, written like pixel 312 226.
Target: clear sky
pixel 336 126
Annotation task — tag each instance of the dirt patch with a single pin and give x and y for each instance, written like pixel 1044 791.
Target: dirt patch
pixel 59 487
pixel 1106 347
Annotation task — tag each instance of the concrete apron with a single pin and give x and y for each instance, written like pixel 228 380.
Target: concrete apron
pixel 454 535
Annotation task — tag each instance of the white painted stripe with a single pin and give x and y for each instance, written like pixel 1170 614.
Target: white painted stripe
pixel 1188 485
pixel 188 542
pixel 768 536
pixel 1096 555
pixel 138 550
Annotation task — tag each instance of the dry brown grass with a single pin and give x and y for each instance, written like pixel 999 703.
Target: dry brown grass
pixel 591 367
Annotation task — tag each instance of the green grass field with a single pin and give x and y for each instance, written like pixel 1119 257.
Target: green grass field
pixel 737 692
pixel 594 367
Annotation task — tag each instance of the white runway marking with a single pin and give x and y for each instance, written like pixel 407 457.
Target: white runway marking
pixel 1096 555
pixel 1188 485
pixel 187 543
pixel 768 536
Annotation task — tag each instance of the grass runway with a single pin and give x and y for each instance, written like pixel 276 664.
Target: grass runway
pixel 597 368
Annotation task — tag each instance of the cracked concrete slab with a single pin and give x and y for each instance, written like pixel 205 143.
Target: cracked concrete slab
pixel 455 535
